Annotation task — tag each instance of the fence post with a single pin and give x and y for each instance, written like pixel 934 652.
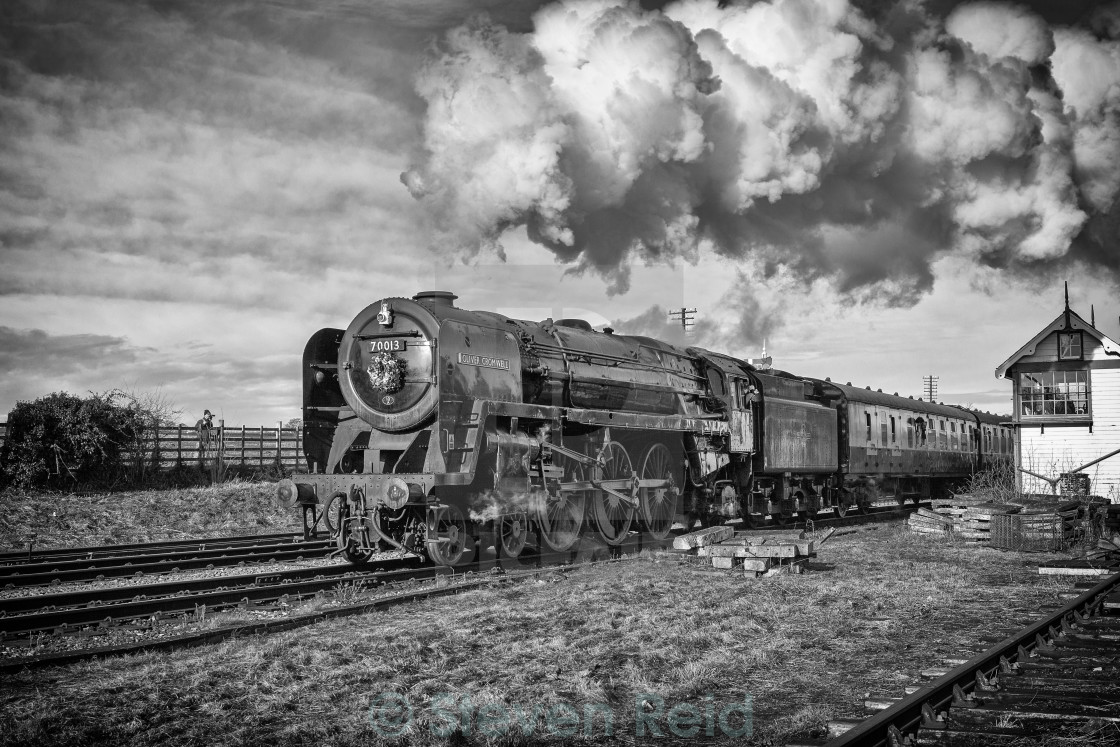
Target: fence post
pixel 201 459
pixel 155 452
pixel 280 445
pixel 242 446
pixel 179 447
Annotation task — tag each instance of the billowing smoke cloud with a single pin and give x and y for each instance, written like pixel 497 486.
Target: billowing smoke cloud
pixel 801 134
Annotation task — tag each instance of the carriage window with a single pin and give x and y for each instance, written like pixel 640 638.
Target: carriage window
pixel 910 435
pixel 943 441
pixel 894 435
pixel 867 415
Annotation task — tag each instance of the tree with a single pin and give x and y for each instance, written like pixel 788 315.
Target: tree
pixel 80 439
pixel 294 423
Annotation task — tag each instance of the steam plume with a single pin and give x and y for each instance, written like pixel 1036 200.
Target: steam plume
pixel 801 133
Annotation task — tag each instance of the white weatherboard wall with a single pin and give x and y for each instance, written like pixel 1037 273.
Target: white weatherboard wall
pixel 1052 448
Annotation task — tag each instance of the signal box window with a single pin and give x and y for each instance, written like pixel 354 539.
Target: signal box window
pixel 1054 393
pixel 1069 346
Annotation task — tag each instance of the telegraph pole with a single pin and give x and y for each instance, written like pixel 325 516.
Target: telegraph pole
pixel 930 383
pixel 685 317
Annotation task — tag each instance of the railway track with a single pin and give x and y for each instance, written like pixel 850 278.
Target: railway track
pixel 1058 677
pixel 162 561
pixel 22 557
pixel 71 612
pixel 265 592
pixel 99 563
pixel 880 511
pixel 93 612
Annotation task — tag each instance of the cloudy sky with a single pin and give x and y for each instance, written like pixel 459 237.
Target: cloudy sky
pixel 877 191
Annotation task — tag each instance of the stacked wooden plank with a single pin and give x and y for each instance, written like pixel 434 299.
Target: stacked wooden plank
pixel 928 521
pixel 963 516
pixel 1031 523
pixel 975 523
pixel 754 553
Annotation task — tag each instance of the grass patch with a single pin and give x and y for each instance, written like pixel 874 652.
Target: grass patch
pixel 78 520
pixel 628 638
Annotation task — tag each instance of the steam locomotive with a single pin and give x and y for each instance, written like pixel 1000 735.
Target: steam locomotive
pixel 428 427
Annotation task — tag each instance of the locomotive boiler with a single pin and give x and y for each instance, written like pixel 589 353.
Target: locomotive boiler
pixel 439 430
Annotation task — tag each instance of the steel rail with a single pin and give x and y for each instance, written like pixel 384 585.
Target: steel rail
pixel 62 553
pixel 888 727
pixel 876 512
pixel 110 561
pixel 133 568
pixel 35 603
pixel 277 587
pixel 217 635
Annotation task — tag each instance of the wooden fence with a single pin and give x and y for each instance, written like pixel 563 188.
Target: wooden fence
pixel 247 446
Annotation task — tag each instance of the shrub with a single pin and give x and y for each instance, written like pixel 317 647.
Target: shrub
pixel 995 484
pixel 79 439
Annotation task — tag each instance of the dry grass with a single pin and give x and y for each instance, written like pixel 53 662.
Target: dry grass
pixel 878 607
pixel 68 520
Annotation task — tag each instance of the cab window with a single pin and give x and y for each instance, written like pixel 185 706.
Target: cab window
pixel 715 381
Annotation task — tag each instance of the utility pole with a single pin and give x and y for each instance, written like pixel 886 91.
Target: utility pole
pixel 930 383
pixel 685 317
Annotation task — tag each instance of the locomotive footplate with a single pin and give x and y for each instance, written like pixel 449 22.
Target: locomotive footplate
pixel 318 489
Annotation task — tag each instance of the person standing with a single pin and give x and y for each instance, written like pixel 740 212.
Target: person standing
pixel 204 428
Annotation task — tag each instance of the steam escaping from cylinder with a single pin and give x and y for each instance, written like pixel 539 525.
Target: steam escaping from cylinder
pixel 491 505
pixel 809 136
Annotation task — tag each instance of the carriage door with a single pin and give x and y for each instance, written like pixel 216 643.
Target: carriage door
pixel 741 419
